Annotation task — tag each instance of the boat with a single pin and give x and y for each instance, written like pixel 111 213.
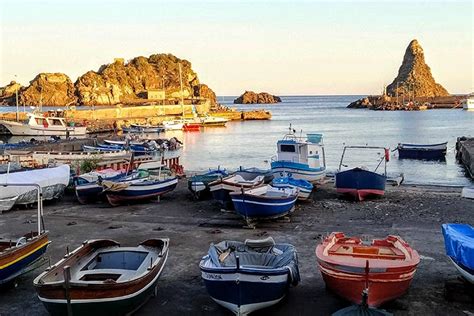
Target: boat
pixel 39 124
pixel 53 182
pixel 459 245
pixel 18 256
pixel 422 152
pixel 300 157
pixel 468 192
pixel 385 267
pixel 264 202
pixel 468 102
pixel 144 128
pixel 119 192
pixel 359 182
pixel 173 125
pixel 253 172
pixel 199 183
pixel 221 187
pixel 191 126
pixel 209 120
pixel 103 278
pixel 247 276
pixel 98 148
pixel 304 187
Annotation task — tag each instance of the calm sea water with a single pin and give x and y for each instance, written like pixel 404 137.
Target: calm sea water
pixel 253 143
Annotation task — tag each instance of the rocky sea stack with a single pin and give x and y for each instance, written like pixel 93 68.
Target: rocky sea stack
pixel 413 88
pixel 250 97
pixel 139 81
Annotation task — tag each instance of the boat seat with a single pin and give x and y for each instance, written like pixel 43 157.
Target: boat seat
pixel 118 275
pixel 367 252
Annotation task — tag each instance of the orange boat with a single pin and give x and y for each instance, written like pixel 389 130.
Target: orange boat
pixel 349 266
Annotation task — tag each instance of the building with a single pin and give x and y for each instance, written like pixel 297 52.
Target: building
pixel 155 94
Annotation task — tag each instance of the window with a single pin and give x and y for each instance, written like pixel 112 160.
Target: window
pixel 287 148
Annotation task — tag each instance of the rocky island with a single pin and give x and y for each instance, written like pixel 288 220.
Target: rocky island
pixel 414 88
pixel 250 97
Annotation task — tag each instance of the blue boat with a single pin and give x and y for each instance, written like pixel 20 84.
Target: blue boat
pixel 254 172
pixel 221 188
pixel 137 128
pixel 422 152
pixel 300 157
pixel 199 183
pixel 119 192
pixel 247 276
pixel 359 182
pixel 459 244
pixel 304 187
pixel 264 202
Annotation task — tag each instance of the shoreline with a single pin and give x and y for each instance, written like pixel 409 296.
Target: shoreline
pixel 415 213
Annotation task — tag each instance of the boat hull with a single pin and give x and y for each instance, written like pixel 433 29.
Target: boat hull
pixel 255 207
pixel 360 183
pixel 88 193
pixel 434 154
pixel 137 192
pixel 243 292
pixel 14 263
pixel 19 129
pixel 297 171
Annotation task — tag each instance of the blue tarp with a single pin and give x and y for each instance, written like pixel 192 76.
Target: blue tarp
pixel 459 243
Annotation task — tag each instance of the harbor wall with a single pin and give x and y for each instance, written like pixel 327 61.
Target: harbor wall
pixel 465 153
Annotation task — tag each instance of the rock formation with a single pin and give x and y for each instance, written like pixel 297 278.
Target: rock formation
pixel 121 82
pixel 250 97
pixel 8 93
pixel 414 76
pixel 49 89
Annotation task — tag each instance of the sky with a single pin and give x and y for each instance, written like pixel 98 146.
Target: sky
pixel 281 47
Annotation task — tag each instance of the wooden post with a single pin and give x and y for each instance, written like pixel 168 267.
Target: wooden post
pixel 67 278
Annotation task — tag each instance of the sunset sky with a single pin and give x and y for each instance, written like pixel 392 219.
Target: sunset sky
pixel 282 47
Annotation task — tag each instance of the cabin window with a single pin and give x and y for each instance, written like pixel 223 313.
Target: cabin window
pixel 287 148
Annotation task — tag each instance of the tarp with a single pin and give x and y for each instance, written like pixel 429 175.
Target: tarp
pixel 459 243
pixel 48 177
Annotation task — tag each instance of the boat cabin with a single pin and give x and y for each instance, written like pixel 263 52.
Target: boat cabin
pixel 41 120
pixel 308 151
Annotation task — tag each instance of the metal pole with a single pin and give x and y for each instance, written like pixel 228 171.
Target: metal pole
pixel 16 93
pixel 181 89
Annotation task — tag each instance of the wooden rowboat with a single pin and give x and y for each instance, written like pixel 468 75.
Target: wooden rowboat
pixel 103 278
pixel 385 267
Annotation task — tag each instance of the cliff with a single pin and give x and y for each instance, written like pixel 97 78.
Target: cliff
pixel 49 89
pixel 121 82
pixel 8 93
pixel 414 76
pixel 250 97
pixel 141 80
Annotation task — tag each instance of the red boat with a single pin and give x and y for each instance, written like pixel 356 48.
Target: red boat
pixel 385 267
pixel 191 127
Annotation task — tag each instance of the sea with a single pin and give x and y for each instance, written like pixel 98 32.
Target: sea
pixel 253 143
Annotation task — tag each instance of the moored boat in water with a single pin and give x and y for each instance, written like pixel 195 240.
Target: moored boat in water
pixel 247 276
pixel 422 152
pixel 459 245
pixel 300 157
pixel 349 266
pixel 103 278
pixel 359 182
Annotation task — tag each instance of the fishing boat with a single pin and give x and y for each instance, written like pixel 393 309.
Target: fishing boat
pixel 103 278
pixel 199 183
pixel 359 182
pixel 40 124
pixel 247 276
pixel 173 125
pixel 209 120
pixel 99 148
pixel 384 266
pixel 264 202
pixel 300 157
pixel 304 187
pixel 17 256
pixel 221 187
pixel 53 182
pixel 253 172
pixel 422 152
pixel 459 244
pixel 141 128
pixel 190 126
pixel 119 192
pixel 468 103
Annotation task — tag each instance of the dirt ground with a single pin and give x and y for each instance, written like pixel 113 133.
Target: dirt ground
pixel 415 213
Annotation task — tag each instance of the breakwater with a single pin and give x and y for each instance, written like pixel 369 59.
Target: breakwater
pixel 465 153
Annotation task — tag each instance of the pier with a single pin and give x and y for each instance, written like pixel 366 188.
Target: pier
pixel 465 153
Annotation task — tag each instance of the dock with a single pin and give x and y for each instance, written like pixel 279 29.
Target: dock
pixel 465 153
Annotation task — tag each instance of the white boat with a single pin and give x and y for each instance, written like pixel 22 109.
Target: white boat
pixel 468 103
pixel 52 181
pixel 208 120
pixel 39 124
pixel 300 157
pixel 173 125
